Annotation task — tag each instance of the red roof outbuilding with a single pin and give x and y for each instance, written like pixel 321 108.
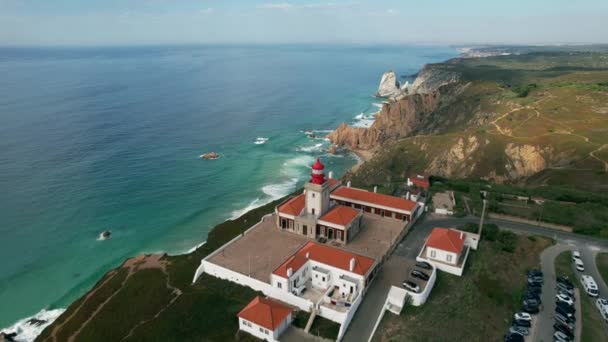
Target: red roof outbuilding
pixel 421 181
pixel 446 239
pixel 265 312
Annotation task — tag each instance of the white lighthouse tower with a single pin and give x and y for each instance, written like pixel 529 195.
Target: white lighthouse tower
pixel 317 191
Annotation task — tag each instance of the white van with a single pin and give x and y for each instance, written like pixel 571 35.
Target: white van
pixel 589 285
pixel 578 263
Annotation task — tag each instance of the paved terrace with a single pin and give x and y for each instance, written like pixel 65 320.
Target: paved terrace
pixel 260 251
pixel 376 236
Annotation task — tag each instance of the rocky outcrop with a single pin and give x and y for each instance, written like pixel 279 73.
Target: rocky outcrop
pixel 389 85
pixel 524 160
pixel 395 120
pixel 456 160
pixel 434 76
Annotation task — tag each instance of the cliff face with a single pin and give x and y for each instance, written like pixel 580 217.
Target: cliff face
pixel 433 77
pixel 389 85
pixel 395 120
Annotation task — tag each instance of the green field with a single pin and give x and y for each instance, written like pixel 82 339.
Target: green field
pixel 475 307
pixel 602 265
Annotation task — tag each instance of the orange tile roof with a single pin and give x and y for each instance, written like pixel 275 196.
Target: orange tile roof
pixel 294 206
pixel 340 215
pixel 421 181
pixel 333 182
pixel 446 239
pixel 374 198
pixel 265 312
pixel 329 256
pixel 294 262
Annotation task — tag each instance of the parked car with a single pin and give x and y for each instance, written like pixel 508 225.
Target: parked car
pixel 523 316
pixel 565 281
pixel 578 263
pixel 561 337
pixel 567 324
pixel 537 290
pixel 563 319
pixel 514 338
pixel 522 323
pixel 590 285
pixel 531 302
pixel 531 309
pixel 420 275
pixel 565 299
pixel 564 288
pixel 535 279
pixel 564 312
pixel 576 255
pixel 519 330
pixel 564 329
pixel 424 264
pixel 410 285
pixel 535 273
pixel 602 306
pixel 568 308
pixel 532 295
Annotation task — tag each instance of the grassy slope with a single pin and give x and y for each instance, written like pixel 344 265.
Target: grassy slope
pixel 593 329
pixel 475 307
pixel 205 311
pixel 565 112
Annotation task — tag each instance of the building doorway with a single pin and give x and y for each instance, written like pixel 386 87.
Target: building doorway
pixel 304 230
pixel 330 234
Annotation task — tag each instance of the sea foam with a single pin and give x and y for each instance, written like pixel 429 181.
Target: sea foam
pixel 27 332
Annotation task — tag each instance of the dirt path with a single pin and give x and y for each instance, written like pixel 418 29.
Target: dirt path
pixel 592 155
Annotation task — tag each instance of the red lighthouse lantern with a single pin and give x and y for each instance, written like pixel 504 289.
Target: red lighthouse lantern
pixel 318 175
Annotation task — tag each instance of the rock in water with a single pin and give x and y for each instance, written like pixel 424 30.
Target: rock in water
pixel 389 85
pixel 210 156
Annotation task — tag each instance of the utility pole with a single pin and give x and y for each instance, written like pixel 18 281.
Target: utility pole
pixel 483 213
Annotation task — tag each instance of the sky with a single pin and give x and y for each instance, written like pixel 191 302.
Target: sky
pixel 146 22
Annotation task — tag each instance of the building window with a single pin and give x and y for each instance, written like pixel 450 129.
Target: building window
pixel 323 278
pixel 313 195
pixel 448 257
pixel 433 254
pixel 313 211
pixel 279 285
pixel 261 330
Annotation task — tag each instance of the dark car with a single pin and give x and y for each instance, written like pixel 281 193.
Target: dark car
pixel 565 307
pixel 564 312
pixel 512 337
pixel 537 290
pixel 564 329
pixel 420 275
pixel 535 279
pixel 533 285
pixel 531 302
pixel 565 281
pixel 531 309
pixel 424 264
pixel 522 323
pixel 532 295
pixel 535 273
pixel 564 288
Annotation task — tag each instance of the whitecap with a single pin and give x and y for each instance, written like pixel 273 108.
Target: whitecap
pixel 27 332
pixel 314 148
pixel 276 191
pixel 260 141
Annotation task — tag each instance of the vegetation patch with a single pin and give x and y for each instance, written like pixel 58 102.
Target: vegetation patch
pixel 601 261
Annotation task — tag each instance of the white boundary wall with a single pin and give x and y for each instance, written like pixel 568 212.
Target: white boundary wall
pixel 420 298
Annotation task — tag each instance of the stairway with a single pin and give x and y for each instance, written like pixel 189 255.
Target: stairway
pixel 311 319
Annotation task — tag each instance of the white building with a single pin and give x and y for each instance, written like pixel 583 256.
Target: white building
pixel 340 276
pixel 265 319
pixel 448 249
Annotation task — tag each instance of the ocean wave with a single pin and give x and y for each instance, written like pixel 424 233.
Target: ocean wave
pixel 195 247
pixel 26 331
pixel 364 120
pixel 314 148
pixel 260 141
pixel 378 105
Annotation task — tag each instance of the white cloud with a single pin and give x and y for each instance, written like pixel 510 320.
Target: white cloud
pixel 207 10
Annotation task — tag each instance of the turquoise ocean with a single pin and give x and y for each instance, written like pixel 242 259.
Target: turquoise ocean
pixel 109 138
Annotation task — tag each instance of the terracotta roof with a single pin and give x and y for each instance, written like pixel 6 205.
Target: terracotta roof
pixel 374 198
pixel 265 312
pixel 294 262
pixel 421 181
pixel 329 256
pixel 446 239
pixel 294 206
pixel 340 215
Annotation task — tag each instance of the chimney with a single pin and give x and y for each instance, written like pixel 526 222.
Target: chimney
pixel 407 195
pixel 461 235
pixel 352 264
pixel 375 188
pixel 330 175
pixel 289 272
pixel 348 184
pixel 307 255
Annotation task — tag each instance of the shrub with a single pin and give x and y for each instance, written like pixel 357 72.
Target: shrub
pixel 507 241
pixel 489 232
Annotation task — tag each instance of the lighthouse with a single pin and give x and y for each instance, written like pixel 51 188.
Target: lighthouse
pixel 317 190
